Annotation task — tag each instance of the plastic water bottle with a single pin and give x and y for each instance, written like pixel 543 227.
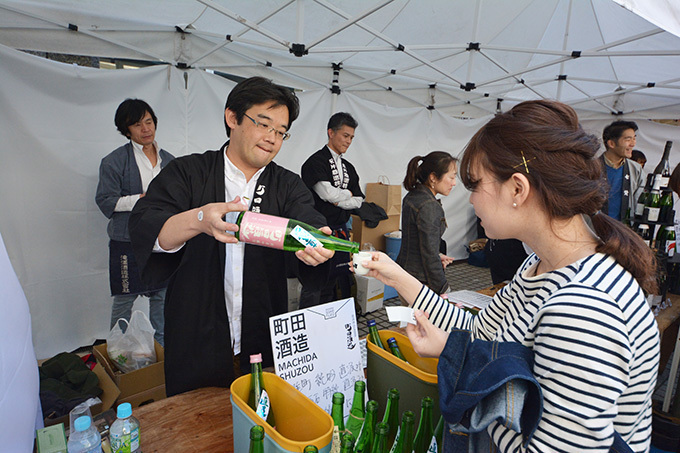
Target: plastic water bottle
pixel 124 432
pixel 85 438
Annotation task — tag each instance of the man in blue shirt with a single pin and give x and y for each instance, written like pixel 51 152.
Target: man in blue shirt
pixel 623 175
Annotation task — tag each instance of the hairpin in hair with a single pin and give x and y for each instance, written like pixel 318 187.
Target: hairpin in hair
pixel 524 162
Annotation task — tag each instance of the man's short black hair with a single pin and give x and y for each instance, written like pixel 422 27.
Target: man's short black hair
pixel 341 119
pixel 615 130
pixel 258 90
pixel 131 111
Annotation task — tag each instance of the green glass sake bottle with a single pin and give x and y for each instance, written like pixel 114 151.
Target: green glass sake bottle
pixel 403 442
pixel 375 336
pixel 391 416
pixel 394 348
pixel 258 400
pixel 286 234
pixel 380 438
pixel 663 168
pixel 347 445
pixel 666 207
pixel 365 437
pixel 653 205
pixel 256 439
pixel 425 433
pixel 439 433
pixel 338 420
pixel 357 411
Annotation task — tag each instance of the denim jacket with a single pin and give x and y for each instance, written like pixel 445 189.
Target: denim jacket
pixel 119 176
pixel 485 381
pixel 422 225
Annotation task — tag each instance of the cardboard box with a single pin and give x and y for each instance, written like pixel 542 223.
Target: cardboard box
pixel 376 236
pixel 145 397
pixel 137 381
pixel 109 395
pixel 370 293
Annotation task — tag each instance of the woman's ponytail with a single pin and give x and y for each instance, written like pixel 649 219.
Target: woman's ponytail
pixel 628 249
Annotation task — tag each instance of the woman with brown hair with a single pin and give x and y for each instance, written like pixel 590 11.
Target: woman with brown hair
pixel 577 302
pixel 422 218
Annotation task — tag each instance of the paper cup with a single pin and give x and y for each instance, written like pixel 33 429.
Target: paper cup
pixel 359 258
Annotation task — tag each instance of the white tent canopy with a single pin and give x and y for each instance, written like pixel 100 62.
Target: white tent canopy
pixel 464 58
pixel 57 120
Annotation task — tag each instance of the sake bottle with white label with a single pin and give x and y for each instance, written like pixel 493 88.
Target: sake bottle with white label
pixel 286 234
pixel 258 400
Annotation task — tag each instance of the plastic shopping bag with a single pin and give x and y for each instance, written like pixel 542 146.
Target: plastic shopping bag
pixel 133 349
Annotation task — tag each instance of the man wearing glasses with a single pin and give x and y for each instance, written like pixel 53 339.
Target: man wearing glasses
pixel 222 292
pixel 335 185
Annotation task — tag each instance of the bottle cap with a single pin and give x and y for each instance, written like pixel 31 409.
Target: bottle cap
pixel 124 410
pixel 392 341
pixel 256 358
pixel 370 322
pixel 82 423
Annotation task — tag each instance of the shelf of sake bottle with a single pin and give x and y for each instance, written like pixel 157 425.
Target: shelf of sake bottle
pixel 636 222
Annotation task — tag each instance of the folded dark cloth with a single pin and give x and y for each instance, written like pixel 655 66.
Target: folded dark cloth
pixel 65 381
pixel 370 213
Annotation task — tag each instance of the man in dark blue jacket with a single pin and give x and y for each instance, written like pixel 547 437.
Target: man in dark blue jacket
pixel 124 176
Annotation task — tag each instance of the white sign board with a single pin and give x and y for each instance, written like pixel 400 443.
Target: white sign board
pixel 317 351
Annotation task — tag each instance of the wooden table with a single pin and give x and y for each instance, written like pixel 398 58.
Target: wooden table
pixel 668 320
pixel 199 420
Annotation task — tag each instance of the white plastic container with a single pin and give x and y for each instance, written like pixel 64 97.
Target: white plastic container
pixel 124 432
pixel 84 438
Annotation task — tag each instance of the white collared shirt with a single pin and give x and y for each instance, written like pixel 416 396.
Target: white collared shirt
pixel 235 184
pixel 342 198
pixel 146 171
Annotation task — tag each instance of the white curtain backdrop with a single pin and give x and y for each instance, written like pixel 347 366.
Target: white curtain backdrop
pixel 56 124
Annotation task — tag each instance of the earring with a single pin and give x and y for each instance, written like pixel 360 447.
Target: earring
pixel 514 205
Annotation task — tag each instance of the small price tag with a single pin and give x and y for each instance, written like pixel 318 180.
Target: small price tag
pixel 304 237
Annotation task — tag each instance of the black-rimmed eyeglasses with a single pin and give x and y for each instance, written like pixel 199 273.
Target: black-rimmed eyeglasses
pixel 269 129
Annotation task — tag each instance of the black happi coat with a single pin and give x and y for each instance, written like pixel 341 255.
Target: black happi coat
pixel 197 339
pixel 319 167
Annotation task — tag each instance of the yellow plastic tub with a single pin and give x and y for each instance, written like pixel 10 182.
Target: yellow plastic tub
pixel 299 421
pixel 414 380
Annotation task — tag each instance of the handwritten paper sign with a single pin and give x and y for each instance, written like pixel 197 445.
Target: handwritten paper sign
pixel 317 351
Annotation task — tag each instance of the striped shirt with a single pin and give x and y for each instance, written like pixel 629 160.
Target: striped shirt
pixel 596 351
